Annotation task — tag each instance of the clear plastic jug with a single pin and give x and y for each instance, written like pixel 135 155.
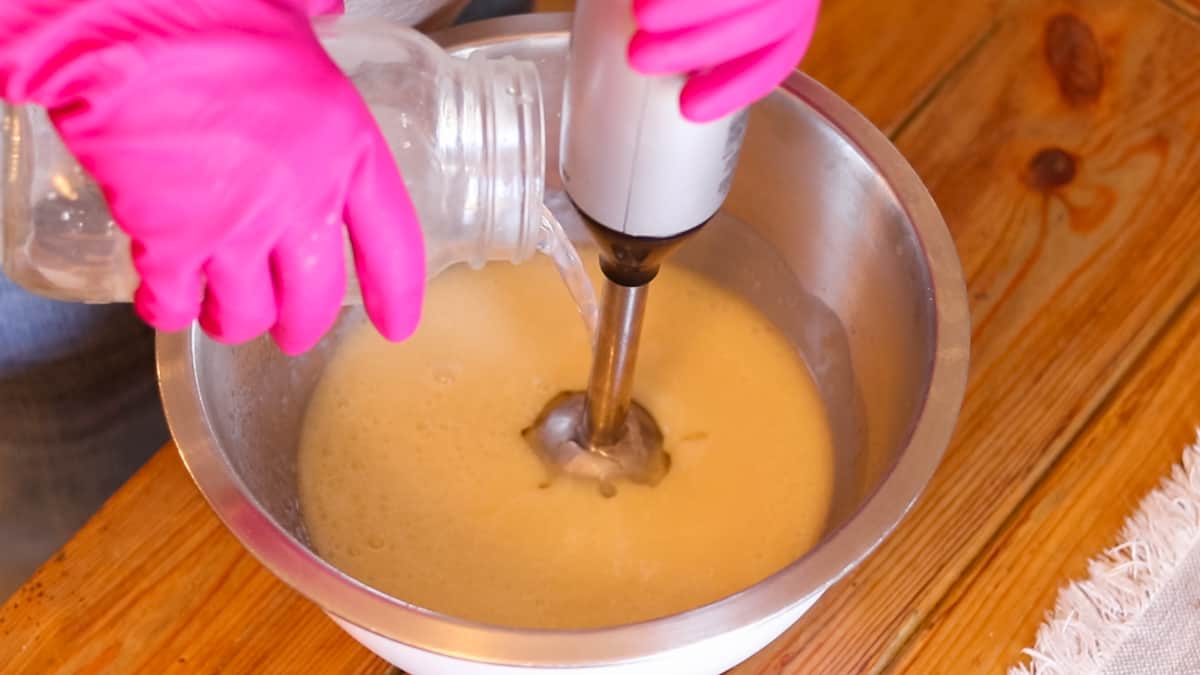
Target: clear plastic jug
pixel 467 135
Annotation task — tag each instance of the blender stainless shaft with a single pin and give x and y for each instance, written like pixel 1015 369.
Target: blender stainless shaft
pixel 610 385
pixel 643 178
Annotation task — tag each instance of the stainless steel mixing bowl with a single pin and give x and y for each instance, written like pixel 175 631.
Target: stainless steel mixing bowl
pixel 827 230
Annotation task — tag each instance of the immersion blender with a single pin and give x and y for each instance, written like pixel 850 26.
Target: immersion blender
pixel 643 178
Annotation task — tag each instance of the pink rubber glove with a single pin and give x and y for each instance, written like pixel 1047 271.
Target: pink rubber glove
pixel 735 51
pixel 231 149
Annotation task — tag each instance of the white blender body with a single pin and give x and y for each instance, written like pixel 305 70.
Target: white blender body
pixel 630 160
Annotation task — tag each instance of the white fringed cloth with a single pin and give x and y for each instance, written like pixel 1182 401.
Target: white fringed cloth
pixel 1139 611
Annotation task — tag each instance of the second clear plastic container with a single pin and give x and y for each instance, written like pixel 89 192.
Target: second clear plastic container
pixel 467 135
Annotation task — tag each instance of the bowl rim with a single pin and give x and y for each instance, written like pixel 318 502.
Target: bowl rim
pixel 813 573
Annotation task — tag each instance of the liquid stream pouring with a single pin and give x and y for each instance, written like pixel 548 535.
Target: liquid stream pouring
pixel 643 178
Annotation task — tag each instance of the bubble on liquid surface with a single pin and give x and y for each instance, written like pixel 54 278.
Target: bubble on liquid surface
pixel 443 375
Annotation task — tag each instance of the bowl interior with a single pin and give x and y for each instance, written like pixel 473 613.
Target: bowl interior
pixel 811 235
pixel 814 234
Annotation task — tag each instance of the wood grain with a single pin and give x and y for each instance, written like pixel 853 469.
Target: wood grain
pixel 553 5
pixel 1188 7
pixel 155 584
pixel 887 58
pixel 1069 184
pixel 1076 513
pixel 1061 149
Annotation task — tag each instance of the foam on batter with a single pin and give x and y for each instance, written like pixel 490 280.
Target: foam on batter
pixel 415 478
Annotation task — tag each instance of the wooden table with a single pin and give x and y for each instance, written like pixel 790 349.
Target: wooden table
pixel 1062 141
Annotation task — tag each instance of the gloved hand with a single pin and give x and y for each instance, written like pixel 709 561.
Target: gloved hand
pixel 735 51
pixel 231 149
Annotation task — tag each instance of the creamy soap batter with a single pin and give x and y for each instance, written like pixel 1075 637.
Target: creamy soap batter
pixel 415 479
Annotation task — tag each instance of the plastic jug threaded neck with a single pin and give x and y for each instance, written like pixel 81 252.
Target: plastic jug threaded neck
pixel 494 165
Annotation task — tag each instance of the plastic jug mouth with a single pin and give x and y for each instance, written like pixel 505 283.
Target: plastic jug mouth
pixel 510 168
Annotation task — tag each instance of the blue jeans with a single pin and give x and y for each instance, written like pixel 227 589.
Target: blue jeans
pixel 79 413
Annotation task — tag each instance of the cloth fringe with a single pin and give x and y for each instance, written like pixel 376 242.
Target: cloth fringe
pixel 1092 618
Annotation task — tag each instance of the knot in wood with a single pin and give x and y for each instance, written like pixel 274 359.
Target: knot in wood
pixel 1075 59
pixel 1051 168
